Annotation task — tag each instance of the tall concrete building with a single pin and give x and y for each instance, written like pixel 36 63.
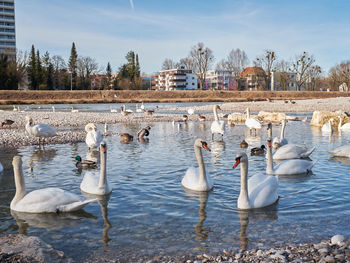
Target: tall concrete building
pixel 7 28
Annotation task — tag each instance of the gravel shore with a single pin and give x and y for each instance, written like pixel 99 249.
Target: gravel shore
pixel 70 126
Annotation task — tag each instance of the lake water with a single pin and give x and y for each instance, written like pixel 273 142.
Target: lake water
pixel 149 213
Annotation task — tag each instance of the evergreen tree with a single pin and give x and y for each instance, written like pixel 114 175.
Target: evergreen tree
pixel 109 74
pixel 49 77
pixel 3 71
pixel 32 69
pixel 39 72
pixel 73 60
pixel 137 66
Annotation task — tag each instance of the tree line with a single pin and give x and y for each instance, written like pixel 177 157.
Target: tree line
pixel 45 72
pixel 309 75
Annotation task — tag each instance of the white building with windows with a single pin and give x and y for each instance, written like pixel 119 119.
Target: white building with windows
pixel 176 79
pixel 7 27
pixel 284 81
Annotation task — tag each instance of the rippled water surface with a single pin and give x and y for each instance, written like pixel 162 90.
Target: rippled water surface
pixel 149 213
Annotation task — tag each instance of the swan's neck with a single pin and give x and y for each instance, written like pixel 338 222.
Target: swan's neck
pixel 340 124
pixel 202 173
pixel 282 130
pixel 103 174
pixel 269 133
pixel 248 113
pixel 20 184
pixel 215 113
pixel 243 196
pixel 269 161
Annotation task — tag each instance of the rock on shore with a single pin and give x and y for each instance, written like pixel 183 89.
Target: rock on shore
pixel 21 248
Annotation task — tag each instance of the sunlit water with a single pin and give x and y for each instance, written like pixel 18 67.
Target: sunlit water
pixel 149 213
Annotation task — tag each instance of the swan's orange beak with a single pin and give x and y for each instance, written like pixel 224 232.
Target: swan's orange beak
pixel 206 147
pixel 103 148
pixel 238 160
pixel 269 143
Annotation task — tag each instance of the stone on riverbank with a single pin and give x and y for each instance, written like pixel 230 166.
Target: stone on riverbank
pixel 21 248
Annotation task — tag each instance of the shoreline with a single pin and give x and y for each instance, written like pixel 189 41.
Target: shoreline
pixel 70 126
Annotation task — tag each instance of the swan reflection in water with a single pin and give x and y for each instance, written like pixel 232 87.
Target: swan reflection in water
pixel 265 213
pixel 201 231
pixel 103 202
pixel 41 155
pixel 49 221
pixel 93 156
pixel 217 150
pixel 343 160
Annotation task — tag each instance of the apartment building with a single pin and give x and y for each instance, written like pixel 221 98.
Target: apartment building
pixel 176 79
pixel 7 28
pixel 253 78
pixel 220 80
pixel 283 81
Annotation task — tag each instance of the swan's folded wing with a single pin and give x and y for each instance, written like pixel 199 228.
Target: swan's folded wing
pixel 265 193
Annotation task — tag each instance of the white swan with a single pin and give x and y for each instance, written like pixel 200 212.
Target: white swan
pixel 327 127
pixel 345 127
pixel 286 167
pixel 196 179
pixel 138 109
pixel 47 200
pixel 112 109
pixel 292 151
pixel 217 126
pixel 142 106
pixel 40 130
pixel 341 151
pixel 93 136
pixel 259 191
pixel 278 142
pixel 74 110
pixel 251 123
pixel 190 111
pixel 94 182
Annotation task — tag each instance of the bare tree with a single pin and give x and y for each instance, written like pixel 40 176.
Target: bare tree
pixel 339 74
pixel 86 67
pixel 188 63
pixel 313 76
pixel 236 61
pixel 59 71
pixel 266 61
pixel 169 64
pixel 282 69
pixel 303 63
pixel 203 58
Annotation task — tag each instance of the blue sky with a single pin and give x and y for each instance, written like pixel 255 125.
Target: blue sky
pixel 157 29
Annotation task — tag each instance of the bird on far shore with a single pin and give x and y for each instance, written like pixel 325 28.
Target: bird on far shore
pixel 7 122
pixel 201 117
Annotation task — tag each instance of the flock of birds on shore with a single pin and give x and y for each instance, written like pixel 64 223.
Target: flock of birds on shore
pixel 258 191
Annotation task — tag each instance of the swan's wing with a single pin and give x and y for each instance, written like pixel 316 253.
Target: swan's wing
pixel 265 193
pixel 90 181
pixel 91 139
pixel 342 151
pixel 294 166
pixel 45 130
pixel 217 127
pixel 191 180
pixel 289 151
pixel 253 123
pixel 48 200
pixel 345 127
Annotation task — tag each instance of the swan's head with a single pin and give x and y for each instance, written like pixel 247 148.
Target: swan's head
pixel 268 142
pixel 148 128
pixel 240 157
pixel 17 161
pixel 29 120
pixel 201 144
pixel 217 107
pixel 103 146
pixel 90 127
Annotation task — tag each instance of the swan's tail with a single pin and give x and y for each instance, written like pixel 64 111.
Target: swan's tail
pixel 75 206
pixel 308 153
